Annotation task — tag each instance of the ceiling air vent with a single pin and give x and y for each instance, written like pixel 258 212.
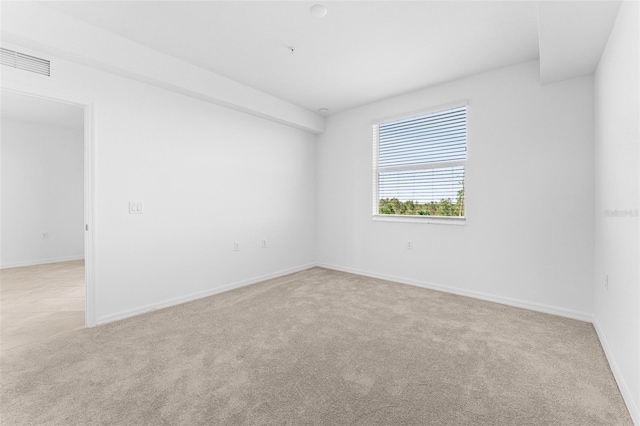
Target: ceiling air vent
pixel 21 61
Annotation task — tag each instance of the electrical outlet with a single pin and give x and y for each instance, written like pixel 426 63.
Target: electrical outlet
pixel 236 246
pixel 606 281
pixel 264 243
pixel 45 235
pixel 409 245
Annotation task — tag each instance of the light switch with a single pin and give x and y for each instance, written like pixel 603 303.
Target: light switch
pixel 136 207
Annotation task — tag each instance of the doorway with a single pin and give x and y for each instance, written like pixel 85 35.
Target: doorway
pixel 43 250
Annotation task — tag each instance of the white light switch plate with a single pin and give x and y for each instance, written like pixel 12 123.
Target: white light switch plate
pixel 136 207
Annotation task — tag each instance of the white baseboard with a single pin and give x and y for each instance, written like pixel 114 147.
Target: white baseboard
pixel 547 309
pixel 554 310
pixel 582 316
pixel 622 385
pixel 40 261
pixel 198 295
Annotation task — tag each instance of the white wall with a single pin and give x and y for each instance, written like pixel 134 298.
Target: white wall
pixel 42 192
pixel 529 233
pixel 617 133
pixel 208 176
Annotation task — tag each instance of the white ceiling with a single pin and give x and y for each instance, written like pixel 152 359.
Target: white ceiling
pixel 360 52
pixel 37 110
pixel 573 36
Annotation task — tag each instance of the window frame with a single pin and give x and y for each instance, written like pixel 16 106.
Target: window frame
pixel 443 220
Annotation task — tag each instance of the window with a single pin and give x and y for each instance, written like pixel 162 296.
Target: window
pixel 419 165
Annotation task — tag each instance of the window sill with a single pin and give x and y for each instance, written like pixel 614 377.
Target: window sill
pixel 442 220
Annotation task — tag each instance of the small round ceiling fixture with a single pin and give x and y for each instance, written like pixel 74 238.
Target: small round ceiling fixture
pixel 318 10
pixel 323 110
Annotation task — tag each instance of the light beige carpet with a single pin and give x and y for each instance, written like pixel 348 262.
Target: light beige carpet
pixel 37 302
pixel 318 347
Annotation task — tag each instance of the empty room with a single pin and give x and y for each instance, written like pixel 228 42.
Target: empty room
pixel 328 213
pixel 42 219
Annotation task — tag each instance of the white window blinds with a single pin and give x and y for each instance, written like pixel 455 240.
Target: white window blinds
pixel 419 164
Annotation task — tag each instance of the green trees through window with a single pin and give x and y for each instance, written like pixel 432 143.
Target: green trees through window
pixel 444 207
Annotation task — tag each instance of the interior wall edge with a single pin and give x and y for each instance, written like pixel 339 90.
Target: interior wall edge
pixel 105 319
pixel 538 307
pixel 634 412
pixel 35 262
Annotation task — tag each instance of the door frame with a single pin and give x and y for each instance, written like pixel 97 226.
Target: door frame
pixel 89 193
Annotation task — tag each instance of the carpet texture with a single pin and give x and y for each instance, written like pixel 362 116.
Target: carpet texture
pixel 318 347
